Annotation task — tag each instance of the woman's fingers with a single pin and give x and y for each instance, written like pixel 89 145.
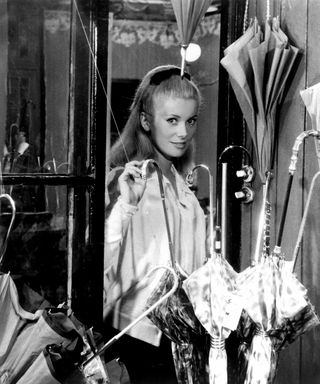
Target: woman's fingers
pixel 131 183
pixel 133 169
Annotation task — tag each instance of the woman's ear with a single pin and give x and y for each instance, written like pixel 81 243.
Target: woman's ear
pixel 144 121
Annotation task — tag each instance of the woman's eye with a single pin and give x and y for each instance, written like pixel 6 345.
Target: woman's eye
pixel 172 120
pixel 192 122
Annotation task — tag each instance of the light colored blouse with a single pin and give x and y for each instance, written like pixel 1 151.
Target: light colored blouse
pixel 136 241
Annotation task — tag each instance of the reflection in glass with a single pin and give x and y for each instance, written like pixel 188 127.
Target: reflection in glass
pixel 37 248
pixel 37 62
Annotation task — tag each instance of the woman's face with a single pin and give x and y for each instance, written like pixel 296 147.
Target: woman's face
pixel 173 124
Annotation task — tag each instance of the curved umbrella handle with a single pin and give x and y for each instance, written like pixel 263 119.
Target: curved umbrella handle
pixel 292 168
pixel 13 215
pixel 144 314
pixel 189 180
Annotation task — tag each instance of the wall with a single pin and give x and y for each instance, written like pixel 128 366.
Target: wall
pixel 299 363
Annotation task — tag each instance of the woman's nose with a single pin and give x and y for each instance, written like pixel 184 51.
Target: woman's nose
pixel 182 130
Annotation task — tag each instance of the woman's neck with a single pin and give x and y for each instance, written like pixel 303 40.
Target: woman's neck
pixel 164 163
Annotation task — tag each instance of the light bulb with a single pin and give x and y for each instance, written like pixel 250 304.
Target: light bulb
pixel 193 52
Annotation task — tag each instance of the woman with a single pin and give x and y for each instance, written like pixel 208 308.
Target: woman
pixel 161 126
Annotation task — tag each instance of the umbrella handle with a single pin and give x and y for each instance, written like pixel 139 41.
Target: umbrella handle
pixel 189 180
pixel 292 168
pixel 296 146
pixel 13 215
pixel 303 222
pixel 163 199
pixel 183 58
pixel 139 318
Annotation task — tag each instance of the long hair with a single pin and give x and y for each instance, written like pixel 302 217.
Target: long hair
pixel 135 143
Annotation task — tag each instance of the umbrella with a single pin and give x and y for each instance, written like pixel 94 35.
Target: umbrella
pixel 311 99
pixel 208 289
pixel 43 346
pixel 175 316
pixel 188 14
pixel 275 301
pixel 259 65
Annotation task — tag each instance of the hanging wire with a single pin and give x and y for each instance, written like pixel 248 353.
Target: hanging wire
pixel 100 77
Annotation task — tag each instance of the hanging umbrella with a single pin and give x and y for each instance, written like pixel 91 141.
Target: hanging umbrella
pixel 188 14
pixel 175 316
pixel 259 65
pixel 208 289
pixel 311 99
pixel 274 300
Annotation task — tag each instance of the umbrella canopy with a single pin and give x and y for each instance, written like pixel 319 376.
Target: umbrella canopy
pixel 208 289
pixel 175 316
pixel 259 65
pixel 188 14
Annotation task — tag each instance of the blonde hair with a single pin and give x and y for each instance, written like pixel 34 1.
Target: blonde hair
pixel 135 143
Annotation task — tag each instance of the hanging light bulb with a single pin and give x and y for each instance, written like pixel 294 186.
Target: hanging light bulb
pixel 193 52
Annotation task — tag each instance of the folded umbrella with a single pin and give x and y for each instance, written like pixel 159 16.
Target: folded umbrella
pixel 188 14
pixel 208 289
pixel 259 65
pixel 275 301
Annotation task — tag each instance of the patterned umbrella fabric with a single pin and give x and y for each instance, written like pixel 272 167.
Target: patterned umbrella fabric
pixel 275 301
pixel 188 14
pixel 208 289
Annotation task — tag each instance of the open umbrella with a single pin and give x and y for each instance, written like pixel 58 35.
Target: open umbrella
pixel 274 300
pixel 208 289
pixel 175 316
pixel 259 65
pixel 188 14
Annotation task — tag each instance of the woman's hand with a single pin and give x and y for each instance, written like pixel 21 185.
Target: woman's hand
pixel 131 183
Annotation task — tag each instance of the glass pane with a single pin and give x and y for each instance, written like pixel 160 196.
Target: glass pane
pixel 34 100
pixel 37 248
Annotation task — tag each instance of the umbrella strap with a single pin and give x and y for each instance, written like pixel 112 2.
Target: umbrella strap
pixel 217 343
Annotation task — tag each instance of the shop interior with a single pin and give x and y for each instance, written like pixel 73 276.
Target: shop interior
pixel 68 74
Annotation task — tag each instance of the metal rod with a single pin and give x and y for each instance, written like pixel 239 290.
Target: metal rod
pixel 211 209
pixel 303 221
pixel 284 211
pixel 47 179
pixel 224 209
